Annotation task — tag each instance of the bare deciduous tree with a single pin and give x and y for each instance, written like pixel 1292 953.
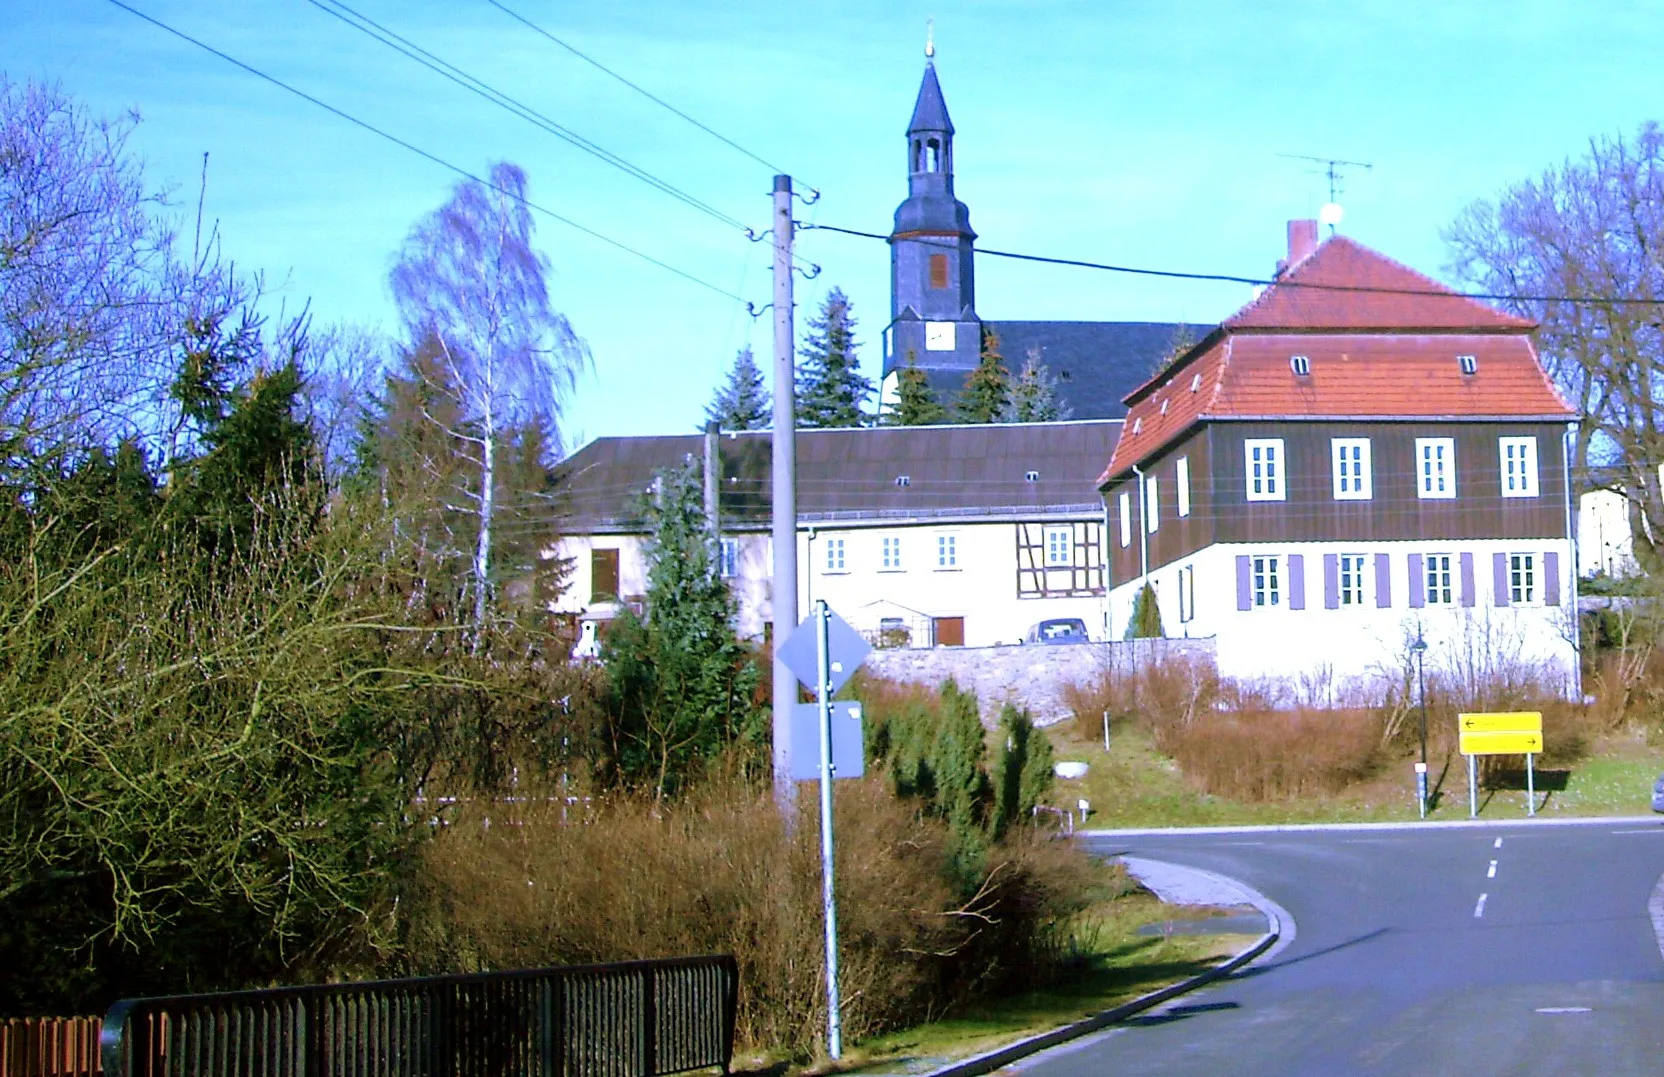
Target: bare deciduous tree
pixel 1580 235
pixel 469 280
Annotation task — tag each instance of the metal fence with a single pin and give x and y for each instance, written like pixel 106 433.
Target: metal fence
pixel 632 1019
pixel 49 1047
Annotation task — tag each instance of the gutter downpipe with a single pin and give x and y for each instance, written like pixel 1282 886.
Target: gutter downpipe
pixel 1143 531
pixel 1566 441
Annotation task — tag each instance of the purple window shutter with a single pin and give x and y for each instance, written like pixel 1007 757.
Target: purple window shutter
pixel 1467 580
pixel 1383 581
pixel 1331 582
pixel 1499 578
pixel 1418 582
pixel 1244 586
pixel 1296 581
pixel 1551 578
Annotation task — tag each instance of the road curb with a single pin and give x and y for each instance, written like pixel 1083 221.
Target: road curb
pixel 1004 1056
pixel 1655 909
pixel 1413 824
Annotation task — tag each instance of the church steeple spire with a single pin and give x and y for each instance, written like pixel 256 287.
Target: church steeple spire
pixel 932 275
pixel 930 132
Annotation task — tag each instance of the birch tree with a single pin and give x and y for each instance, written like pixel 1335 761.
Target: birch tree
pixel 1568 243
pixel 468 282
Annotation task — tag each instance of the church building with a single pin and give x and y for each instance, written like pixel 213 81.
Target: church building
pixel 935 323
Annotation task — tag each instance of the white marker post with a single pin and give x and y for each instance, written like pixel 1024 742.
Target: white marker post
pixel 834 1030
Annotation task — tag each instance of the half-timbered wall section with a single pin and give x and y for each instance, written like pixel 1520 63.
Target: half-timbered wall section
pixel 1060 560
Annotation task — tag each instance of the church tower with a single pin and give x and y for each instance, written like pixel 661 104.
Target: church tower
pixel 932 281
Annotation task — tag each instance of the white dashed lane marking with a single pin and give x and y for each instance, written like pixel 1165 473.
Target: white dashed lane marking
pixel 1498 844
pixel 1491 874
pixel 1479 909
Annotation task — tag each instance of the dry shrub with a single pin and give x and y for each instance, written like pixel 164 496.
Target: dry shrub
pixel 1172 690
pixel 1273 740
pixel 1233 739
pixel 719 873
pixel 1267 754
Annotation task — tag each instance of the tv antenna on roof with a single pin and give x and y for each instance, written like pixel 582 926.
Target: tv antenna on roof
pixel 1333 168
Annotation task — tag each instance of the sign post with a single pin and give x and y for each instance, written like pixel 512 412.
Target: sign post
pixel 838 650
pixel 1506 733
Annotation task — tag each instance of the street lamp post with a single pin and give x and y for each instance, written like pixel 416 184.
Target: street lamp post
pixel 1419 648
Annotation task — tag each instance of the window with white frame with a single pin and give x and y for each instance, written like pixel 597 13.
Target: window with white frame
pixel 728 558
pixel 1263 458
pixel 1187 594
pixel 1267 585
pixel 1351 569
pixel 1436 569
pixel 1125 505
pixel 947 551
pixel 1152 504
pixel 835 555
pixel 1522 578
pixel 1435 467
pixel 1519 466
pixel 1350 463
pixel 1181 483
pixel 1060 545
pixel 890 553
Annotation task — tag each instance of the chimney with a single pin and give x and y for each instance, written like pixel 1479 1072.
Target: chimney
pixel 1302 240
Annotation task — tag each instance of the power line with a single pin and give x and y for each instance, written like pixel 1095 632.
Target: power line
pixel 1229 278
pixel 724 139
pixel 434 158
pixel 403 45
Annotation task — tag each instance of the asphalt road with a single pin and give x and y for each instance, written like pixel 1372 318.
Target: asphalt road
pixel 1496 949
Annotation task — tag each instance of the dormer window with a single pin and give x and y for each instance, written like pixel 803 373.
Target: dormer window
pixel 1195 382
pixel 1300 364
pixel 1468 363
pixel 1164 407
pixel 1137 424
pixel 903 480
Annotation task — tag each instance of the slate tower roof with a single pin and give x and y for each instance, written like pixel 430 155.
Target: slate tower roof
pixel 931 112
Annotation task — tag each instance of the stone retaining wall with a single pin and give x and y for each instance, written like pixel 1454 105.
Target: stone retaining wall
pixel 1032 675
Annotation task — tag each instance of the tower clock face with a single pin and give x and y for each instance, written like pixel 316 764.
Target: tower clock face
pixel 938 336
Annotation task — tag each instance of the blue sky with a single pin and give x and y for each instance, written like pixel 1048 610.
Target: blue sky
pixel 1126 132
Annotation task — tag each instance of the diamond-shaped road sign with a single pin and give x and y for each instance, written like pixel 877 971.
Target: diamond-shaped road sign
pixel 845 651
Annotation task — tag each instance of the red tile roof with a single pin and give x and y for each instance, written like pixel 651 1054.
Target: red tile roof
pixel 1345 285
pixel 1381 340
pixel 1353 376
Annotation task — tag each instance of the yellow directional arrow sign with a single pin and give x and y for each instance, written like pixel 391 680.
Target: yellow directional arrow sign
pixel 1507 743
pixel 1507 722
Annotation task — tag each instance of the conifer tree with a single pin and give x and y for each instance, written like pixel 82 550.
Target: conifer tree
pixel 1034 395
pixel 987 391
pixel 916 403
pixel 741 403
pixel 1145 622
pixel 830 388
pixel 682 687
pixel 1022 773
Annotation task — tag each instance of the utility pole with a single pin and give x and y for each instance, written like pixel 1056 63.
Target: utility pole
pixel 784 491
pixel 713 485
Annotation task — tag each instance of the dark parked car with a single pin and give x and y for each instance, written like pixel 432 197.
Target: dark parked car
pixel 1059 630
pixel 1658 794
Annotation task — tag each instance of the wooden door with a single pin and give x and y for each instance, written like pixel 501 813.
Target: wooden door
pixel 603 575
pixel 948 631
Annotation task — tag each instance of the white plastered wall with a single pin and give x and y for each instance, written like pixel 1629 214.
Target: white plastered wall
pixel 1318 649
pixel 1605 543
pixel 982 588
